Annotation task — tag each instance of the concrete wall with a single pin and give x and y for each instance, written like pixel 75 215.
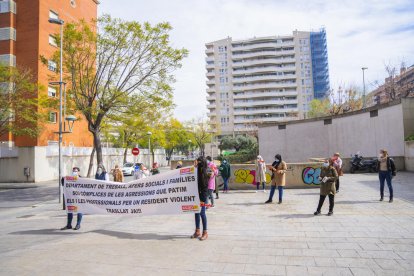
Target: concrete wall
pixel 408 116
pixel 347 134
pixel 409 156
pixel 43 163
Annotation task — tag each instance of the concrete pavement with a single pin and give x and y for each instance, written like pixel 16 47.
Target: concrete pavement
pixel 364 237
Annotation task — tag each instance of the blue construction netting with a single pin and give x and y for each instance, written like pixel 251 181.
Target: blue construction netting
pixel 320 70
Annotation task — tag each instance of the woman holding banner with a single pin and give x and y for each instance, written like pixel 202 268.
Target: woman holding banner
pixel 202 181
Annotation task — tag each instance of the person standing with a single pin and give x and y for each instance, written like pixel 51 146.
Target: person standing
pixel 386 171
pixel 212 172
pixel 327 178
pixel 260 173
pixel 338 167
pixel 278 169
pixel 137 171
pixel 75 173
pixel 225 171
pixel 118 175
pixel 101 173
pixel 155 169
pixel 202 182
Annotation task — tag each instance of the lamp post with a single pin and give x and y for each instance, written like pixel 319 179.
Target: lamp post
pixel 60 22
pixel 363 81
pixel 149 133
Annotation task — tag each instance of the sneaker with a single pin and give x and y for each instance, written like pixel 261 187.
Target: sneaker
pixel 381 199
pixel 77 227
pixel 66 228
pixel 280 202
pixel 391 200
pixel 330 213
pixel 268 201
pixel 317 213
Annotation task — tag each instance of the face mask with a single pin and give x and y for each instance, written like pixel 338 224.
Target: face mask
pixel 99 171
pixel 326 164
pixel 74 173
pixel 277 160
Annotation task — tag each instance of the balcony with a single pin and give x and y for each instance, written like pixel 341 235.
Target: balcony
pixel 211 98
pixel 211 90
pixel 263 61
pixel 250 95
pixel 212 114
pixel 262 53
pixel 210 74
pixel 209 50
pixel 211 106
pixel 264 69
pixel 264 103
pixel 263 45
pixel 209 59
pixel 265 111
pixel 260 120
pixel 210 82
pixel 264 78
pixel 264 86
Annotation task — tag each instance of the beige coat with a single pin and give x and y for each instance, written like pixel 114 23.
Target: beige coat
pixel 280 174
pixel 329 186
pixel 260 172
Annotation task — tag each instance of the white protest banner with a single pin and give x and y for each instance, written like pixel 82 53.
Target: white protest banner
pixel 173 192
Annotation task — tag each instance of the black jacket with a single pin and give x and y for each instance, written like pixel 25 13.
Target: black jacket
pixel 202 181
pixel 390 165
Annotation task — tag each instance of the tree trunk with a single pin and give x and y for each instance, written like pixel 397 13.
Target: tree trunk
pixel 98 147
pixel 125 154
pixel 91 163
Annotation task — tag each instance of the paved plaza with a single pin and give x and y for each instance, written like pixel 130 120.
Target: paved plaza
pixel 364 237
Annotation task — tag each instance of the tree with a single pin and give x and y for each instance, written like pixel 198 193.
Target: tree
pixel 22 110
pixel 319 108
pixel 176 137
pixel 201 133
pixel 116 63
pixel 238 143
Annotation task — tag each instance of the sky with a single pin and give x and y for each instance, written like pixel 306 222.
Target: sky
pixel 370 33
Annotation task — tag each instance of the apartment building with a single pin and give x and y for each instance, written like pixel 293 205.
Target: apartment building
pixel 264 79
pixel 25 36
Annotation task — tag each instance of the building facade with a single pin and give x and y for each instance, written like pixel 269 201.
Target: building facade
pixel 394 87
pixel 25 36
pixel 264 80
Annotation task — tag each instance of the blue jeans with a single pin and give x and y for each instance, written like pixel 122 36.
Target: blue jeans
pixel 210 196
pixel 385 176
pixel 272 192
pixel 226 184
pixel 70 218
pixel 203 217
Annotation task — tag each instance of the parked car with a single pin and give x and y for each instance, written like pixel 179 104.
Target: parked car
pixel 128 168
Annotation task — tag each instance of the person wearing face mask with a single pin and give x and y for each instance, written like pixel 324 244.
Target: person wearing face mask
pixel 75 173
pixel 278 169
pixel 386 170
pixel 225 172
pixel 327 178
pixel 202 182
pixel 213 172
pixel 260 173
pixel 101 173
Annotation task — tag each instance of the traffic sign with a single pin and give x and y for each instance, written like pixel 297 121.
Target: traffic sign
pixel 135 151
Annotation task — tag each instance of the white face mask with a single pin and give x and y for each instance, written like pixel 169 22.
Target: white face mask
pixel 325 164
pixel 75 173
pixel 99 171
pixel 277 160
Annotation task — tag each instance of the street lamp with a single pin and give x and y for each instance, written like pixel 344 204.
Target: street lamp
pixel 149 133
pixel 363 81
pixel 60 22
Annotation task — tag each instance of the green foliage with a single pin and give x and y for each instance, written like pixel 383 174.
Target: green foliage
pixel 319 108
pixel 200 133
pixel 117 70
pixel 22 110
pixel 177 138
pixel 243 156
pixel 409 138
pixel 238 143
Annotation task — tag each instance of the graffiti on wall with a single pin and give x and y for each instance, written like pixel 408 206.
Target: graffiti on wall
pixel 248 176
pixel 310 175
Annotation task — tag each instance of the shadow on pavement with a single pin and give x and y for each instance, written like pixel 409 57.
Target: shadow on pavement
pixel 143 236
pixel 44 232
pixel 356 201
pixel 248 203
pixel 292 216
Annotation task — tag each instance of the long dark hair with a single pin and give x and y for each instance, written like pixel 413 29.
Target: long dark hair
pixel 201 166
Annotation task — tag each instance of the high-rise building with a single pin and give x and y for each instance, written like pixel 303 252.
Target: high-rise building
pixel 25 36
pixel 264 79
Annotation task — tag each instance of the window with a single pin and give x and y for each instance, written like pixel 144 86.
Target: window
pixel 51 91
pixel 7 33
pixel 51 65
pixel 7 6
pixel 52 117
pixel 53 15
pixel 8 60
pixel 52 40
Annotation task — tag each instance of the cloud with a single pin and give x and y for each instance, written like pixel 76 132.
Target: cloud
pixel 359 33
